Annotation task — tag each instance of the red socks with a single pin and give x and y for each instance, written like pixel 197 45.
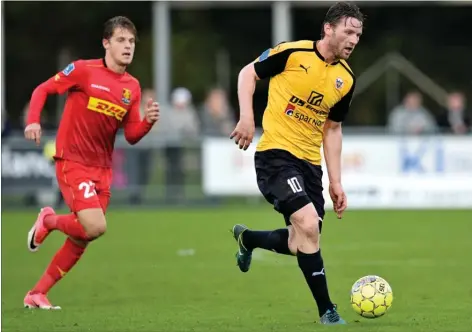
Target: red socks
pixel 62 262
pixel 67 256
pixel 67 224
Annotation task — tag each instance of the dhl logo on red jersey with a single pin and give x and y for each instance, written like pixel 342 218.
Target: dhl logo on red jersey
pixel 107 108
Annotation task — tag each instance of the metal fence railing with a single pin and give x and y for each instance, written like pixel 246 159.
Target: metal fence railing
pixel 156 173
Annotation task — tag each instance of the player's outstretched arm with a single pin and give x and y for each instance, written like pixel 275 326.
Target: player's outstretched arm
pixel 71 76
pixel 135 128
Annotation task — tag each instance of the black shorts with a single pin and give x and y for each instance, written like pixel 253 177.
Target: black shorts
pixel 289 183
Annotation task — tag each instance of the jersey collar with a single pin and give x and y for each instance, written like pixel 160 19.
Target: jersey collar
pixel 111 71
pixel 320 56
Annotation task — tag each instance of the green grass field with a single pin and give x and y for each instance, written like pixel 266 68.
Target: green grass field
pixel 175 271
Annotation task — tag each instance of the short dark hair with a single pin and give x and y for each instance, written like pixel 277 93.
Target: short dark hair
pixel 118 22
pixel 341 10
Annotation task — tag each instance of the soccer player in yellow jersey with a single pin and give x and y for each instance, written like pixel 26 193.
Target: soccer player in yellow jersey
pixel 310 91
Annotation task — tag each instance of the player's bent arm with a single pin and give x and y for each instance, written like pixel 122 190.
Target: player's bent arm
pixel 246 86
pixel 71 76
pixel 134 132
pixel 268 64
pixel 135 128
pixel 36 104
pixel 332 148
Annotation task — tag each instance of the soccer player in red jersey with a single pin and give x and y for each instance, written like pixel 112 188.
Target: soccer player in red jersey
pixel 102 97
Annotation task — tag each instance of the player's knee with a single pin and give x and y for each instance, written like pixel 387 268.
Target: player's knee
pixel 95 231
pixel 305 224
pixel 310 230
pixel 94 223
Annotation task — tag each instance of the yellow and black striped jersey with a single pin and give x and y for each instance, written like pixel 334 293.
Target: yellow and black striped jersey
pixel 304 91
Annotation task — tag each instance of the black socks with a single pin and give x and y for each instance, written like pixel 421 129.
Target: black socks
pixel 313 270
pixel 270 240
pixel 310 264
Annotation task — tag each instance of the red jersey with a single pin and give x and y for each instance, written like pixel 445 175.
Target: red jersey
pixel 99 102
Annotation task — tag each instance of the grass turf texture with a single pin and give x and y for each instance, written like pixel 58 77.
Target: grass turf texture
pixel 163 270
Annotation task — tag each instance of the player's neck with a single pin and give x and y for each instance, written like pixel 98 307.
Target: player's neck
pixel 324 50
pixel 113 66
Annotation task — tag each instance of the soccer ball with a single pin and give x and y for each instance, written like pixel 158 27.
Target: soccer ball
pixel 371 296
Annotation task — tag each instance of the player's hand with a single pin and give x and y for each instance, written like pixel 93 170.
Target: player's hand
pixel 151 112
pixel 243 133
pixel 339 198
pixel 33 132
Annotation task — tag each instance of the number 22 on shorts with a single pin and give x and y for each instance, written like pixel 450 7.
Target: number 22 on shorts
pixel 88 188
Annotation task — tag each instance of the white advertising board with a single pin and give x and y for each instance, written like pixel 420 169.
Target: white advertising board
pixel 378 171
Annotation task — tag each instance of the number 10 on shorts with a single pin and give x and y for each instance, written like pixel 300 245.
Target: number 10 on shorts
pixel 295 185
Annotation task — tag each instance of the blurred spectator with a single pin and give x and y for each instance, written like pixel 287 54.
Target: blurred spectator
pixel 411 117
pixel 454 118
pixel 217 116
pixel 180 121
pixel 176 125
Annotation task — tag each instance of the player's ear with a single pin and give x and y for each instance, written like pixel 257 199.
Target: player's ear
pixel 106 43
pixel 328 29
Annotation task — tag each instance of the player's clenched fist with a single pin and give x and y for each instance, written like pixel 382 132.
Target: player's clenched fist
pixel 151 112
pixel 33 132
pixel 244 133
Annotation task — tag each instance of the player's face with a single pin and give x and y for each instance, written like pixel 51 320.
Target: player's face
pixel 345 36
pixel 121 46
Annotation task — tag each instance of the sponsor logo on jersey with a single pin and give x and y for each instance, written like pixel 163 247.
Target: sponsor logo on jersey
pixel 314 99
pixel 308 119
pixel 289 110
pixel 126 96
pixel 107 108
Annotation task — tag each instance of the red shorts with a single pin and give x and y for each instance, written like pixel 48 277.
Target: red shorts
pixel 84 187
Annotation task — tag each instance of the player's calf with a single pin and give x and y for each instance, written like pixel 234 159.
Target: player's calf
pixel 305 238
pixel 274 240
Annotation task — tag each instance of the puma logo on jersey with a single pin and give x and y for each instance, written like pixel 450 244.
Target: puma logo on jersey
pixel 305 68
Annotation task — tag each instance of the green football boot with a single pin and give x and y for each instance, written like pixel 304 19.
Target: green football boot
pixel 243 256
